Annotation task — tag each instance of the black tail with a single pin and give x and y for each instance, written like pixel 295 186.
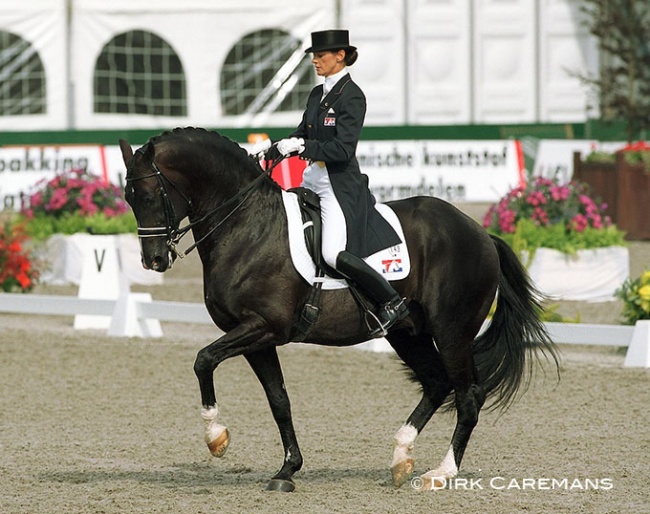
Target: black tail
pixel 503 353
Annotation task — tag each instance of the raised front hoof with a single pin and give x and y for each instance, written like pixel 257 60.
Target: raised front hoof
pixel 402 472
pixel 219 445
pixel 283 486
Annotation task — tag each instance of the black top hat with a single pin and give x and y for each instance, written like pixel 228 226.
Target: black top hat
pixel 330 40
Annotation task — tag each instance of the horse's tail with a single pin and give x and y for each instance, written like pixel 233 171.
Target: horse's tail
pixel 503 354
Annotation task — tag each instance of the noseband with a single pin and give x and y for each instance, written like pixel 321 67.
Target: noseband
pixel 171 231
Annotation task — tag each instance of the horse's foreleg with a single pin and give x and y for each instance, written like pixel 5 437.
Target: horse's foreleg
pixel 245 338
pixel 266 365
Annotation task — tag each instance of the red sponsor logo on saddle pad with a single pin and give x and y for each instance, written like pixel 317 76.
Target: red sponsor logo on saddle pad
pixel 391 265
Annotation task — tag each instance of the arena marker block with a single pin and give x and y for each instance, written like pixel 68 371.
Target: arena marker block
pixel 638 352
pixel 126 321
pixel 101 276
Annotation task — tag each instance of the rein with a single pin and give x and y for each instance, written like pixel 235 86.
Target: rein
pixel 174 235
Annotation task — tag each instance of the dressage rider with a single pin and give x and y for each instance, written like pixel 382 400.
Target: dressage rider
pixel 327 137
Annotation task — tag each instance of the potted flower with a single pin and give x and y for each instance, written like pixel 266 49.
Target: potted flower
pixel 561 231
pixel 76 201
pixel 17 270
pixel 636 298
pixel 76 214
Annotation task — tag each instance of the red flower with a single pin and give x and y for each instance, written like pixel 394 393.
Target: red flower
pixel 16 269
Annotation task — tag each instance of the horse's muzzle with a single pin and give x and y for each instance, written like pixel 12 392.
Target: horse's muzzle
pixel 159 263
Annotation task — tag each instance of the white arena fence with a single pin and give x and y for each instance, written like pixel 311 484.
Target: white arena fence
pixel 136 315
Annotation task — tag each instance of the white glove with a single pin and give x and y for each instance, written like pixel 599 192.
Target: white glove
pixel 291 145
pixel 259 149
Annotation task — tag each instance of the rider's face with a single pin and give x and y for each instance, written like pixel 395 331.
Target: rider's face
pixel 328 63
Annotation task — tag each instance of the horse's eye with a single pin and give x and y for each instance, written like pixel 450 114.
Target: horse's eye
pixel 129 194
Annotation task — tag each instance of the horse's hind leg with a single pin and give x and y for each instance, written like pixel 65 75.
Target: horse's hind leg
pixel 469 398
pixel 419 354
pixel 266 365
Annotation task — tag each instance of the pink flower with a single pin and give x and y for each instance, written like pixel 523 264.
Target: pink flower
pixel 536 198
pixel 540 216
pixel 75 191
pixel 507 221
pixel 559 193
pixel 597 221
pixel 578 223
pixel 59 199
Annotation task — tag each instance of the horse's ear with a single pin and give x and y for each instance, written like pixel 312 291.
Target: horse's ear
pixel 127 151
pixel 148 152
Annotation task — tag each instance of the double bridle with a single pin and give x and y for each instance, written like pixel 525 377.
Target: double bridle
pixel 171 231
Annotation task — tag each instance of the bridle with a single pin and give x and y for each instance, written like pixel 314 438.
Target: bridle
pixel 171 231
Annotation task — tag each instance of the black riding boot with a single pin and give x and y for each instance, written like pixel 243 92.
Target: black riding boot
pixel 391 306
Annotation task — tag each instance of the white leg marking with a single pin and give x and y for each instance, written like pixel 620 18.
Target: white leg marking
pixel 404 440
pixel 212 429
pixel 446 469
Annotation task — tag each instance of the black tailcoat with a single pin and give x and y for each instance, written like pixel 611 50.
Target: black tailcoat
pixel 331 129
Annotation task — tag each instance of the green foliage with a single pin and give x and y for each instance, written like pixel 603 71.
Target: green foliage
pixel 635 158
pixel 600 156
pixel 636 298
pixel 529 236
pixel 42 226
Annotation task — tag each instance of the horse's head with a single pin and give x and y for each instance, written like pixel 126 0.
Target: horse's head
pixel 158 204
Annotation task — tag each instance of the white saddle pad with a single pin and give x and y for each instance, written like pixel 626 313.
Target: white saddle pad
pixel 392 263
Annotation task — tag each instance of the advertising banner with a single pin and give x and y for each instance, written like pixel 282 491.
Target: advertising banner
pixel 456 171
pixel 22 167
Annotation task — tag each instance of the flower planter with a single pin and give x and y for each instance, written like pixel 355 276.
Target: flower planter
pixel 625 188
pixel 589 275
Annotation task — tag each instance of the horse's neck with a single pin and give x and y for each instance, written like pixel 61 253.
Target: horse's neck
pixel 260 217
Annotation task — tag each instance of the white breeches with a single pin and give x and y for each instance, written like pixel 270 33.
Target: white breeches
pixel 316 178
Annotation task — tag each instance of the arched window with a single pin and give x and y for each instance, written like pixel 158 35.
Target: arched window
pixel 22 77
pixel 137 72
pixel 266 71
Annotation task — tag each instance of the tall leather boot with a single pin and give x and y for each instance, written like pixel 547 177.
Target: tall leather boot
pixel 391 306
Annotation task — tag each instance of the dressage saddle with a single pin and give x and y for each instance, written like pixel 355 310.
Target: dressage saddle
pixel 309 203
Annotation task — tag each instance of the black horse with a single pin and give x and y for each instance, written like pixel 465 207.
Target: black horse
pixel 255 295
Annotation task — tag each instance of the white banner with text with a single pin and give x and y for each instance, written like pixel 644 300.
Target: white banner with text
pixel 456 171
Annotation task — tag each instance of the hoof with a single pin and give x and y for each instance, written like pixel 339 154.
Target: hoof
pixel 219 446
pixel 284 486
pixel 432 483
pixel 402 472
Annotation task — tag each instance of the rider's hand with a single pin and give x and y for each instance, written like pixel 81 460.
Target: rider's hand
pixel 259 149
pixel 290 146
